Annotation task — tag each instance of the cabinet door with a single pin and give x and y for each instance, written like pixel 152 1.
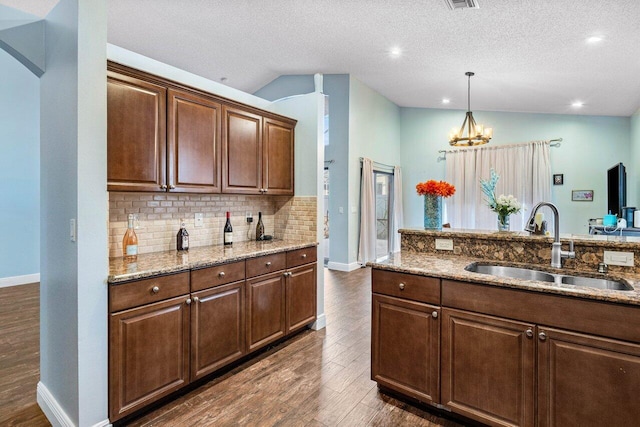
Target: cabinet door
pixel 193 130
pixel 265 309
pixel 278 157
pixel 148 354
pixel 587 381
pixel 136 134
pixel 488 371
pixel 217 328
pixel 405 347
pixel 301 296
pixel 241 152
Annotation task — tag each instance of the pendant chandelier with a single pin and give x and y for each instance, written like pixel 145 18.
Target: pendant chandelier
pixel 475 134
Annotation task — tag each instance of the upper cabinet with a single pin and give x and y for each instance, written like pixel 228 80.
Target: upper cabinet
pixel 167 137
pixel 136 148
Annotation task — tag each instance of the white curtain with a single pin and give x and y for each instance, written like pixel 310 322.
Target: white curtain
pixel 367 247
pixel 524 170
pixel 397 213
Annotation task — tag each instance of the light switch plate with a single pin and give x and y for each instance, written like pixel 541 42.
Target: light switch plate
pixel 72 230
pixel 624 259
pixel 199 219
pixel 444 244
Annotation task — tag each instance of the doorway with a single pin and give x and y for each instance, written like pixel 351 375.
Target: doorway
pixel 383 183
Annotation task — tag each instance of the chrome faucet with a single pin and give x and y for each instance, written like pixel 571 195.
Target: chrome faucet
pixel 557 254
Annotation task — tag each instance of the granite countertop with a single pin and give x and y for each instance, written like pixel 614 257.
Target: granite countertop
pixel 452 267
pixel 157 263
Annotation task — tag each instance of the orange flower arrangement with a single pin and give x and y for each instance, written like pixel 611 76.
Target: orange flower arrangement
pixel 435 188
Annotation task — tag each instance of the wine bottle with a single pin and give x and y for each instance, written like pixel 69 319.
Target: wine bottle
pixel 130 241
pixel 260 228
pixel 182 239
pixel 228 231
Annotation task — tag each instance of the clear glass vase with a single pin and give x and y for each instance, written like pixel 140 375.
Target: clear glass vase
pixel 503 222
pixel 432 212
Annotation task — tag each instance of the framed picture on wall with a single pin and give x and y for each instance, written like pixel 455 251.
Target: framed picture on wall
pixel 558 179
pixel 582 195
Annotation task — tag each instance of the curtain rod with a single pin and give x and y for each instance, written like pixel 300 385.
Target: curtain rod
pixel 378 163
pixel 557 141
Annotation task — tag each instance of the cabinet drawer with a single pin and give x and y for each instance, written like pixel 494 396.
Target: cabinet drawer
pixel 301 256
pixel 145 291
pixel 266 264
pixel 401 285
pixel 218 275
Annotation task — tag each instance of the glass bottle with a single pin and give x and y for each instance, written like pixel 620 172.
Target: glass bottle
pixel 228 231
pixel 130 241
pixel 260 228
pixel 182 239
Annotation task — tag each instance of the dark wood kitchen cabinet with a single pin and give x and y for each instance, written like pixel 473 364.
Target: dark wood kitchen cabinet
pixel 301 288
pixel 136 134
pixel 405 334
pixel 488 368
pixel 148 342
pixel 265 309
pixel 278 157
pixel 586 380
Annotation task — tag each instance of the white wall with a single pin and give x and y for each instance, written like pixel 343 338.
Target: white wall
pixel 73 299
pixel 19 171
pixel 633 173
pixel 591 145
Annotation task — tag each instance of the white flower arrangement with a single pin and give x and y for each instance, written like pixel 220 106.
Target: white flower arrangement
pixel 503 205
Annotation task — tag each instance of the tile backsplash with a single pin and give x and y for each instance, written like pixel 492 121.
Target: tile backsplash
pixel 159 218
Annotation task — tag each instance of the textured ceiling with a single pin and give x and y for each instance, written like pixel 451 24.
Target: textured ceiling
pixel 528 55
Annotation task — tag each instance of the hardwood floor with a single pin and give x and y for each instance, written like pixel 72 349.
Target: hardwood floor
pixel 318 378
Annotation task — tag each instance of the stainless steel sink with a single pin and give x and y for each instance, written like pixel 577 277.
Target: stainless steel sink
pixel 542 276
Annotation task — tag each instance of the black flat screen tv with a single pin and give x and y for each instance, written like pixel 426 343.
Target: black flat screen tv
pixel 616 189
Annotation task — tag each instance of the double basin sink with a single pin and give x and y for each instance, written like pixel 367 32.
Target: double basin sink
pixel 543 276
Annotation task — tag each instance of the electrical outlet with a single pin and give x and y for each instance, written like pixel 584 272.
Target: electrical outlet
pixel 624 259
pixel 444 244
pixel 249 217
pixel 199 220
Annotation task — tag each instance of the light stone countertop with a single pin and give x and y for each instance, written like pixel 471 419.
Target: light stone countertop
pixel 452 267
pixel 159 263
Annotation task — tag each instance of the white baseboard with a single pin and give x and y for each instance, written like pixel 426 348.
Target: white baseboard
pixel 54 412
pixel 19 280
pixel 343 267
pixel 320 323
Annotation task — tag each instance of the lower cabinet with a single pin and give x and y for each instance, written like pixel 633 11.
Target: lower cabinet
pixel 148 354
pixel 217 328
pixel 488 368
pixel 585 380
pixel 405 347
pixel 301 296
pixel 265 309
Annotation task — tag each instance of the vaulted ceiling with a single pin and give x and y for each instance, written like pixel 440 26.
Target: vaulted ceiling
pixel 528 55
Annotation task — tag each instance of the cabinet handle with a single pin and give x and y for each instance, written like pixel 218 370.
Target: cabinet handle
pixel 155 289
pixel 221 274
pixel 267 264
pixel 434 314
pixel 304 256
pixel 196 299
pixel 288 274
pixel 163 187
pixel 542 336
pixel 188 301
pixel 172 187
pixel 264 190
pixel 401 286
pixel 529 333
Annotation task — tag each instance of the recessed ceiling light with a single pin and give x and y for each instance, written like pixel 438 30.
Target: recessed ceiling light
pixel 395 52
pixel 577 104
pixel 446 100
pixel 594 39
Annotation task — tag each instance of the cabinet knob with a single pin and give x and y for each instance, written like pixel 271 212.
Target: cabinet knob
pixel 267 264
pixel 196 299
pixel 542 336
pixel 172 187
pixel 288 274
pixel 434 314
pixel 188 301
pixel 163 187
pixel 155 289
pixel 401 286
pixel 221 274
pixel 304 256
pixel 529 333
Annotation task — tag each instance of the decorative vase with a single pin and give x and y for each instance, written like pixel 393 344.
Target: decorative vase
pixel 432 212
pixel 503 222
